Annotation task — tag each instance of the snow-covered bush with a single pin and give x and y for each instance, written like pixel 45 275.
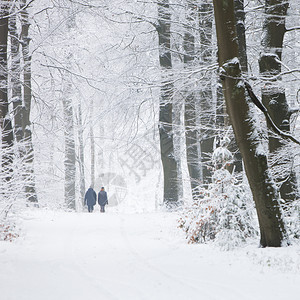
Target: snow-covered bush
pixel 12 195
pixel 223 213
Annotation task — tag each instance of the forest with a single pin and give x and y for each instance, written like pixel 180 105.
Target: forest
pixel 186 113
pixel 185 105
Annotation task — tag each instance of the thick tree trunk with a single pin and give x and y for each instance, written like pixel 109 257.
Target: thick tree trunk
pixel 191 132
pixel 16 79
pixel 27 135
pixel 170 168
pixel 241 33
pixel 206 103
pixel 5 122
pixel 273 92
pixel 263 188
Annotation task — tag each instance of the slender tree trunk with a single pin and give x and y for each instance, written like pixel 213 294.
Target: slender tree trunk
pixel 191 132
pixel 265 193
pixel 5 122
pixel 177 139
pixel 81 154
pixel 207 105
pixel 70 162
pixel 92 141
pixel 169 162
pixel 70 153
pixel 273 92
pixel 29 165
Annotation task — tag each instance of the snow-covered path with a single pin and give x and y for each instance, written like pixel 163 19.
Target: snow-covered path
pixel 135 256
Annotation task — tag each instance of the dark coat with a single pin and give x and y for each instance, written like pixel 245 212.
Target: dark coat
pixel 90 197
pixel 102 198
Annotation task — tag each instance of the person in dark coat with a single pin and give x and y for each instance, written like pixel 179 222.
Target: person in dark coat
pixel 90 199
pixel 102 199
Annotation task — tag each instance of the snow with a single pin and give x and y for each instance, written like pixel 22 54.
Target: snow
pixel 116 255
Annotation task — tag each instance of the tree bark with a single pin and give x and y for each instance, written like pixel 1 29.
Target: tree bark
pixel 16 84
pixel 241 33
pixel 81 154
pixel 27 134
pixel 169 163
pixel 206 103
pixel 70 154
pixel 273 92
pixel 70 162
pixel 92 141
pixel 191 132
pixel 264 191
pixel 5 121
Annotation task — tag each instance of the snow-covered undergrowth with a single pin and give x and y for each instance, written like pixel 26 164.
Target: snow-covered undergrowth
pixel 224 213
pixel 12 196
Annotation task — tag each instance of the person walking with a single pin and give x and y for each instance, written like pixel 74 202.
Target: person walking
pixel 90 199
pixel 102 199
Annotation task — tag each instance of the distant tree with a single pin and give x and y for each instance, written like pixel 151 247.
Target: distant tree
pixel 92 143
pixel 206 101
pixel 190 112
pixel 81 152
pixel 70 155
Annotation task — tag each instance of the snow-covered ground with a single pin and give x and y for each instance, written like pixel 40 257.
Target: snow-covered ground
pixel 115 255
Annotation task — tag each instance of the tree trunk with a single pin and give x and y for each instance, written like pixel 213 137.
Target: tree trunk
pixel 241 33
pixel 29 170
pixel 191 132
pixel 265 193
pixel 207 105
pixel 92 141
pixel 16 79
pixel 273 92
pixel 171 190
pixel 81 154
pixel 70 162
pixel 5 122
pixel 70 154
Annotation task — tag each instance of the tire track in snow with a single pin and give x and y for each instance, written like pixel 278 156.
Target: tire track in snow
pixel 95 282
pixel 148 266
pixel 107 293
pixel 197 289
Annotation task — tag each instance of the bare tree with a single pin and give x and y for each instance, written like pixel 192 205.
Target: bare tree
pixel 170 165
pixel 191 132
pixel 273 91
pixel 70 155
pixel 92 142
pixel 206 102
pixel 5 121
pixel 16 84
pixel 27 95
pixel 81 153
pixel 264 191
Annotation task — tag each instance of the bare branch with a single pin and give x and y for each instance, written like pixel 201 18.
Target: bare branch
pixel 257 102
